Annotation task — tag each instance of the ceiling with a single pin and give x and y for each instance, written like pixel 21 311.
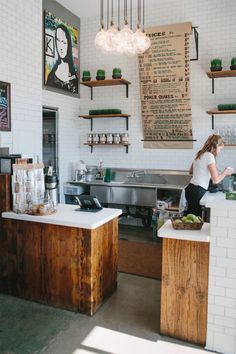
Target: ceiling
pixel 91 8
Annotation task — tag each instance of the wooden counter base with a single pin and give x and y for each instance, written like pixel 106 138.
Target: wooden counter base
pixel 184 290
pixel 67 267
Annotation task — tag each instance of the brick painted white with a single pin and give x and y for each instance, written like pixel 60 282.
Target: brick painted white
pixel 221 325
pixel 21 65
pixel 217 37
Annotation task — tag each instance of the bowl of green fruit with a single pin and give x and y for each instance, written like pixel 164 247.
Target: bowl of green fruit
pixel 187 222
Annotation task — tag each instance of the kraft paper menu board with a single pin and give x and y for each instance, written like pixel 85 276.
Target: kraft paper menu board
pixel 165 88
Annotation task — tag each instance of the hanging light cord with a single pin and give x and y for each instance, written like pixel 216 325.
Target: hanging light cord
pixel 101 14
pixel 130 14
pixel 118 15
pixel 139 14
pixel 125 12
pixel 112 23
pixel 143 15
pixel 108 14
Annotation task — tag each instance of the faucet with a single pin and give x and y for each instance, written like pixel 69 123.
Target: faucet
pixel 135 174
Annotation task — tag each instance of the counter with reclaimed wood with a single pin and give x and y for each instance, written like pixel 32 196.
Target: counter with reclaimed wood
pixel 184 283
pixel 68 259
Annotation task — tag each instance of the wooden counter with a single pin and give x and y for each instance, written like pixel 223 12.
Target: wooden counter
pixel 184 283
pixel 70 267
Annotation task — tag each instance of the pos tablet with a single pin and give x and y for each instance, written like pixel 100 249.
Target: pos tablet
pixel 88 203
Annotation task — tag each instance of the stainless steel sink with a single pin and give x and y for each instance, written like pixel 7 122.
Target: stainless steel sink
pixel 158 179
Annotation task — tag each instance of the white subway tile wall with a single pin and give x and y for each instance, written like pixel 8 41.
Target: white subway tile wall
pixel 221 327
pixel 217 38
pixel 21 65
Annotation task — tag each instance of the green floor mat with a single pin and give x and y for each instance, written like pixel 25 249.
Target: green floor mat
pixel 27 327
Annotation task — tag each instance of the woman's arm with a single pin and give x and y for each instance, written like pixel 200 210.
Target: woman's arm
pixel 216 176
pixel 190 171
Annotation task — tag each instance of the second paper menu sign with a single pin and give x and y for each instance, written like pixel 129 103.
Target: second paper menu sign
pixel 165 88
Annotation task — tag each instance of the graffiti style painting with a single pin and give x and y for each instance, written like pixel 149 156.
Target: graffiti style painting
pixel 5 105
pixel 61 60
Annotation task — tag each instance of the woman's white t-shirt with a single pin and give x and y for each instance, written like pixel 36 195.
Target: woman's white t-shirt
pixel 201 173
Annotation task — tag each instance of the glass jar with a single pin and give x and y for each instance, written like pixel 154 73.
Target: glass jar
pixel 124 138
pixel 117 138
pixel 109 138
pixel 102 138
pixel 89 138
pixel 95 138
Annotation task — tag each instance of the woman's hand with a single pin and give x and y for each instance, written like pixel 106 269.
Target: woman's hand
pixel 228 171
pixel 216 176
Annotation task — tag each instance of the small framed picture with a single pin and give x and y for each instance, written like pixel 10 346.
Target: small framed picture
pixel 5 106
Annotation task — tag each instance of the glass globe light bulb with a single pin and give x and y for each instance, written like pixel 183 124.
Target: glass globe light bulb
pixel 111 34
pixel 141 41
pixel 126 40
pixel 101 38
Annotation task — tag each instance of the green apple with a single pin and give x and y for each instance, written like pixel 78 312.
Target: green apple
pixel 188 221
pixel 178 221
pixel 191 217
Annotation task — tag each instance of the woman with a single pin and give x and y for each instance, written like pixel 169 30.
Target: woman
pixel 63 74
pixel 202 169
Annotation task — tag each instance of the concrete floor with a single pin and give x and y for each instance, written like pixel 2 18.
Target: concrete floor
pixel 128 323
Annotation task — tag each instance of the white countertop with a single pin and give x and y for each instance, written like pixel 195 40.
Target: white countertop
pixel 67 216
pixel 210 200
pixel 212 197
pixel 167 231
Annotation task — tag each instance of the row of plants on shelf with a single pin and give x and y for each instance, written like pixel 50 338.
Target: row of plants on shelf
pixel 101 74
pixel 216 64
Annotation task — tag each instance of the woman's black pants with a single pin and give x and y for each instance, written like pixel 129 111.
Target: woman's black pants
pixel 193 194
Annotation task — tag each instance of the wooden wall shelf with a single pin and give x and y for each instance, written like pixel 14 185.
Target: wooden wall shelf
pixel 220 74
pixel 214 111
pixel 92 116
pixel 108 145
pixel 108 82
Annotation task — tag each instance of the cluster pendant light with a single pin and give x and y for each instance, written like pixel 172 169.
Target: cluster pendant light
pixel 120 38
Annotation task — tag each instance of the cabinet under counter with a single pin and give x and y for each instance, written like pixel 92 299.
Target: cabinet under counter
pixel 67 260
pixel 184 283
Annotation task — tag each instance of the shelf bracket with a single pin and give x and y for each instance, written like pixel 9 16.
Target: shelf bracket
pixel 91 92
pixel 127 149
pixel 212 121
pixel 91 122
pixel 195 33
pixel 127 123
pixel 212 85
pixel 91 148
pixel 127 90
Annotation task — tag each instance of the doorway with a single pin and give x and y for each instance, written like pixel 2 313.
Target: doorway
pixel 50 139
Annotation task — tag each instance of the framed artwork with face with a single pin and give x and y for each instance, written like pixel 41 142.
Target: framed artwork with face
pixel 5 106
pixel 61 54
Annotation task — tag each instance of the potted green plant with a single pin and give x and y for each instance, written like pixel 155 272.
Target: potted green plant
pixel 216 64
pixel 100 74
pixel 233 64
pixel 116 73
pixel 86 75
